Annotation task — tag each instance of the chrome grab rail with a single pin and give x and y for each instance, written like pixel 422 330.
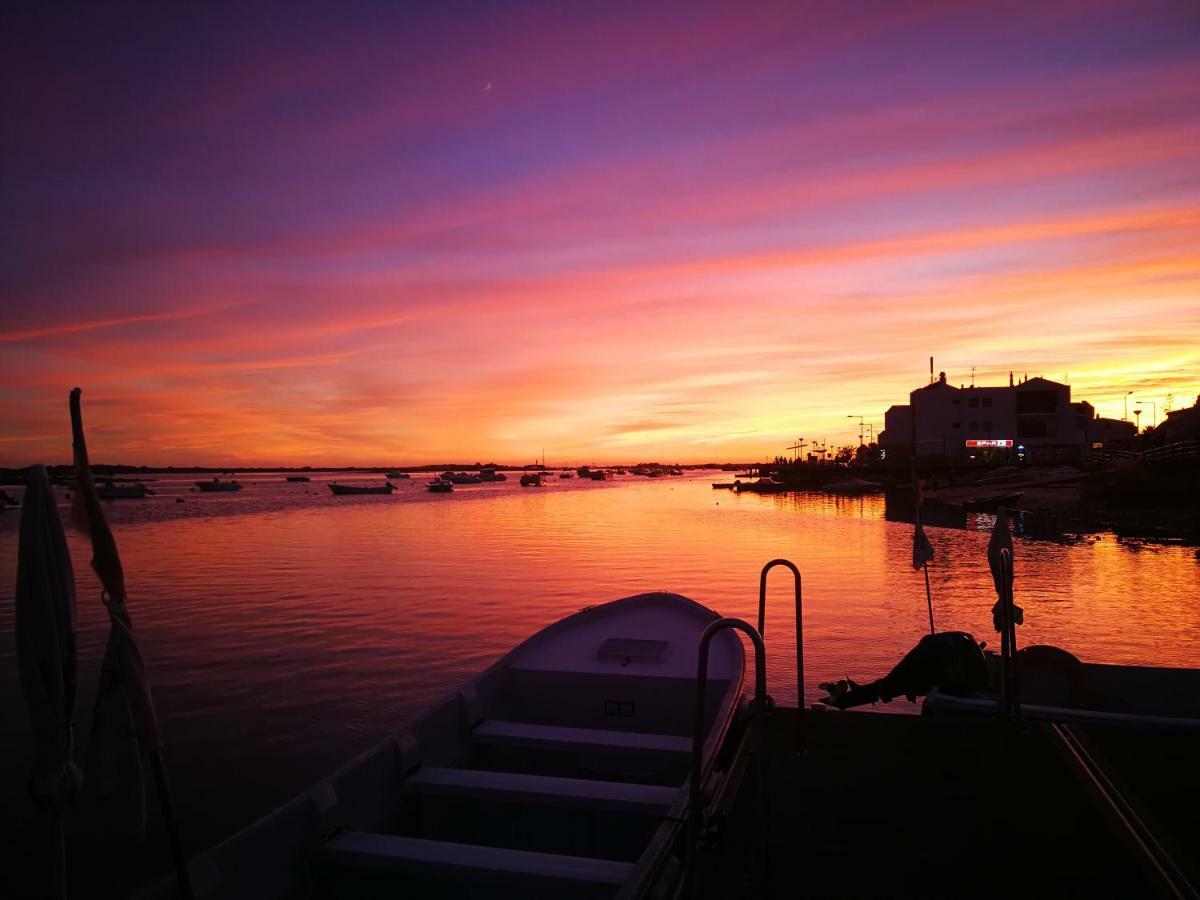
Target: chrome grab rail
pixel 762 630
pixel 695 812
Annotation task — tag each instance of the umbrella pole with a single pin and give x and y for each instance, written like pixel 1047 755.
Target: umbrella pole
pixel 164 795
pixel 928 595
pixel 58 848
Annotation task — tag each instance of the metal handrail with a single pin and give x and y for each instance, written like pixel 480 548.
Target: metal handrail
pixel 762 630
pixel 695 812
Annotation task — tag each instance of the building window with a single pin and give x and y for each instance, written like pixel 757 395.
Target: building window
pixel 974 426
pixel 1033 401
pixel 1031 428
pixel 973 402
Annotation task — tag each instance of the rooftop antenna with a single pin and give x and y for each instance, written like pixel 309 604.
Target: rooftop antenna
pixel 972 376
pixel 931 370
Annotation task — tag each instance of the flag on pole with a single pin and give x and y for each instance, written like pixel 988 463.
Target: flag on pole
pixel 922 549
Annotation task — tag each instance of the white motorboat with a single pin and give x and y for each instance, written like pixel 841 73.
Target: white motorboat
pixel 560 771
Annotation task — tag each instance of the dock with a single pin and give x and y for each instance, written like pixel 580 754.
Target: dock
pixel 880 805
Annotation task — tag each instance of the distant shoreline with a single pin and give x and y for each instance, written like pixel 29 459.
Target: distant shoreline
pixel 100 470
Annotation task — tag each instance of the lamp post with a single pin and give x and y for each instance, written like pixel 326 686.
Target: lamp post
pixel 1137 428
pixel 1127 393
pixel 1153 410
pixel 860 427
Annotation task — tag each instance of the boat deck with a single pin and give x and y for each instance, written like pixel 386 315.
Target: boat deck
pixel 884 805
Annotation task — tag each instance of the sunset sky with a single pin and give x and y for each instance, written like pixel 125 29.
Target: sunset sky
pixel 385 233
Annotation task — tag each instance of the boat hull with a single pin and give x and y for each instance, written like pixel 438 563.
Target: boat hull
pixel 561 770
pixel 218 486
pixel 341 490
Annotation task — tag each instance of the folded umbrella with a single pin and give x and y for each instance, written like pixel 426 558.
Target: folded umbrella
pixel 45 642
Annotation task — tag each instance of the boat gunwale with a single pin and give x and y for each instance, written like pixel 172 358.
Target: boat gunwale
pixel 205 865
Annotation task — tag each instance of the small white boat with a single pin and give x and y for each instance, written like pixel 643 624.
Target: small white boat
pixel 218 485
pixel 111 491
pixel 560 771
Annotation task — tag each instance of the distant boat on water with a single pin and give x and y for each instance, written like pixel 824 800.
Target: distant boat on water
pixel 437 486
pixel 532 479
pixel 566 473
pixel 218 485
pixel 762 486
pixel 298 478
pixel 598 475
pixel 112 491
pixel 398 475
pixel 341 490
pixel 492 475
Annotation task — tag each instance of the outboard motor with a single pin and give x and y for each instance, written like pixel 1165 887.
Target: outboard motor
pixel 951 661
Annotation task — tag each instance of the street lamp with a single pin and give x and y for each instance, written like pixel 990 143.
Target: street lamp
pixel 1153 409
pixel 1137 429
pixel 860 427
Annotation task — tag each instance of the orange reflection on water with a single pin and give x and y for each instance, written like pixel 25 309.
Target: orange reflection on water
pixel 286 629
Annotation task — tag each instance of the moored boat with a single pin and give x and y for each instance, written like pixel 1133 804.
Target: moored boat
pixel 218 485
pixel 298 478
pixel 398 475
pixel 111 491
pixel 762 486
pixel 560 771
pixel 533 479
pixel 492 475
pixel 439 486
pixel 566 473
pixel 339 490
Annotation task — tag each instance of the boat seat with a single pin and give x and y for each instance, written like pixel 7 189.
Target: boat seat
pixel 386 851
pixel 576 793
pixel 524 734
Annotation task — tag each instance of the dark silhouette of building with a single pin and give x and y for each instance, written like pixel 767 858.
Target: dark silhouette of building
pixel 1032 419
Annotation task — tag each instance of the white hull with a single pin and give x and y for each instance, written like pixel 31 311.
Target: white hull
pixel 560 771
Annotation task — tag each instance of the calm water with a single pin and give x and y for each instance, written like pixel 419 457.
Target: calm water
pixel 286 630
